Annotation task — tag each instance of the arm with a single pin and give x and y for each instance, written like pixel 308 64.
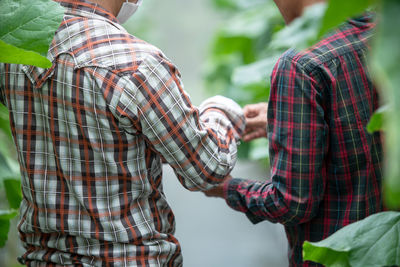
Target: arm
pixel 201 148
pixel 297 135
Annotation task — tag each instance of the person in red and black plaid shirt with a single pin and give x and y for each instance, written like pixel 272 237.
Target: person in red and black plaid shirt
pixel 326 169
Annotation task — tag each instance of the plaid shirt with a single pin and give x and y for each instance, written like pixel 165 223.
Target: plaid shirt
pixel 91 133
pixel 325 166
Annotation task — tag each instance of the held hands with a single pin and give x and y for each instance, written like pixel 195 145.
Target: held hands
pixel 256 127
pixel 218 191
pixel 256 121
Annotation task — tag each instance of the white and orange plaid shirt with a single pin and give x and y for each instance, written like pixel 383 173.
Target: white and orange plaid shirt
pixel 91 133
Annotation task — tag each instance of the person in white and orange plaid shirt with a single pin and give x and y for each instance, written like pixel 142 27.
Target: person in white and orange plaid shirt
pixel 91 133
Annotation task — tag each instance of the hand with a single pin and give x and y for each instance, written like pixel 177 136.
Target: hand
pixel 218 191
pixel 256 121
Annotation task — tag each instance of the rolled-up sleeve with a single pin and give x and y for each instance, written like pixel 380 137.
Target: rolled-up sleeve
pixel 297 135
pixel 201 148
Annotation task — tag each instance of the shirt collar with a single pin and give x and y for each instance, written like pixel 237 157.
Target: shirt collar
pixel 86 9
pixel 76 8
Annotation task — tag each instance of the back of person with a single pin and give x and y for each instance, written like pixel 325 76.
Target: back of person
pixel 90 134
pixel 351 172
pixel 92 188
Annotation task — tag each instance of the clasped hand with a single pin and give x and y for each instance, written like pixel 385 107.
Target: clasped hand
pixel 256 127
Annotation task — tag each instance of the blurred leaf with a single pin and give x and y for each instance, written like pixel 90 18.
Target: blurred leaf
pixel 235 5
pixel 13 192
pixel 339 11
pixel 243 150
pixel 259 71
pixel 250 23
pixel 385 68
pixel 241 45
pixel 259 149
pixel 302 32
pixel 377 120
pixel 5 217
pixel 4 121
pixel 27 28
pixel 5 170
pixel 373 241
pixel 8 170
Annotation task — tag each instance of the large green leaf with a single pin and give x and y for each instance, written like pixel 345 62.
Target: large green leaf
pixel 29 24
pixel 373 241
pixel 386 70
pixel 5 217
pixel 12 54
pixel 27 28
pixel 340 10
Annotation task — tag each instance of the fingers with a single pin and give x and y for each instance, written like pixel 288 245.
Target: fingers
pixel 251 111
pixel 218 191
pixel 251 135
pixel 215 192
pixel 257 122
pixel 254 110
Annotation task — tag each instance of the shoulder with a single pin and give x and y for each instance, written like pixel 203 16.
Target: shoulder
pixel 101 43
pixel 348 40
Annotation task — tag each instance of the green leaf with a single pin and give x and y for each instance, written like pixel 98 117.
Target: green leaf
pixel 257 72
pixel 12 54
pixel 5 217
pixel 251 23
pixel 339 11
pixel 385 68
pixel 27 28
pixel 29 25
pixel 8 170
pixel 377 120
pixel 5 169
pixel 373 241
pixel 4 121
pixel 13 192
pixel 234 5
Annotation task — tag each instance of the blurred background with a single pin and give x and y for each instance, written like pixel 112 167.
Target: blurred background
pixel 213 43
pixel 229 47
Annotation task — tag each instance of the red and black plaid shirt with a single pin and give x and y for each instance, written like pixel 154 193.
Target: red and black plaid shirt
pixel 325 166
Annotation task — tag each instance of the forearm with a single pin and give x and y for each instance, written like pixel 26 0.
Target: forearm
pixel 269 201
pixel 201 148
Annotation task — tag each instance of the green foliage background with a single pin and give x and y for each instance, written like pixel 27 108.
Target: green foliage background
pixel 243 54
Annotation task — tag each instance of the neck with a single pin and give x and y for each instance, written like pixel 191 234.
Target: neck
pixel 293 10
pixel 113 6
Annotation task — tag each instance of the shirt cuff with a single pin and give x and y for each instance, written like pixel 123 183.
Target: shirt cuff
pixel 231 110
pixel 235 197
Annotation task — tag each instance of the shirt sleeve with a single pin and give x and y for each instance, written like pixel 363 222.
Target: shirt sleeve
pixel 201 148
pixel 297 135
